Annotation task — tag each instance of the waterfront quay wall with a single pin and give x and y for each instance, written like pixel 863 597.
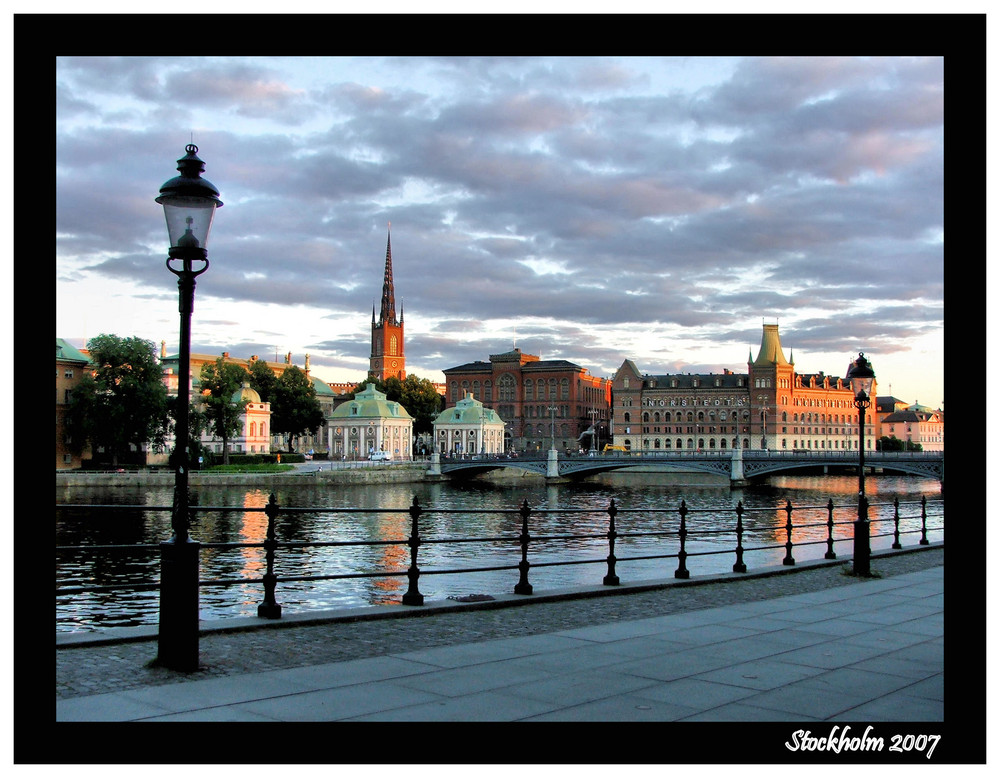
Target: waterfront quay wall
pixel 401 473
pixel 405 472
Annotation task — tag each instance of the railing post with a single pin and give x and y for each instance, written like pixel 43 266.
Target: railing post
pixel 682 571
pixel 523 587
pixel 829 530
pixel 740 566
pixel 923 521
pixel 611 579
pixel 413 595
pixel 788 560
pixel 895 542
pixel 269 609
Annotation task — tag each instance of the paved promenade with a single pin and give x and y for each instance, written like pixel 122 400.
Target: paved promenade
pixel 805 644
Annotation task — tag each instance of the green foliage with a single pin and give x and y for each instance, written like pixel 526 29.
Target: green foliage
pixel 219 382
pixel 418 395
pixel 124 401
pixel 263 381
pixel 294 407
pixel 895 444
pixel 197 423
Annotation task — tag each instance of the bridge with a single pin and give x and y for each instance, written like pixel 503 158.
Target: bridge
pixel 738 465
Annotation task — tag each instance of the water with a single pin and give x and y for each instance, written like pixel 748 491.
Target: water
pixel 645 505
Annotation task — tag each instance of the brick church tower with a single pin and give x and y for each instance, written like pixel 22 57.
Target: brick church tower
pixel 387 357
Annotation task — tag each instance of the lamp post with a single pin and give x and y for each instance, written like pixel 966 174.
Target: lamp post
pixel 552 414
pixel 862 378
pixel 189 204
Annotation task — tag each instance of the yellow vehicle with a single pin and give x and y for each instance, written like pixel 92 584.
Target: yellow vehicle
pixel 609 449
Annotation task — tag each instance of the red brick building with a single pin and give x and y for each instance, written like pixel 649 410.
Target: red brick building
pixel 539 400
pixel 771 406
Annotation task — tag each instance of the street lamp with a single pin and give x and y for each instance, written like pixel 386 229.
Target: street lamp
pixel 552 414
pixel 862 378
pixel 189 204
pixel 594 413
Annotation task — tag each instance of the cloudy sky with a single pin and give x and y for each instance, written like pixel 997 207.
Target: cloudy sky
pixel 592 209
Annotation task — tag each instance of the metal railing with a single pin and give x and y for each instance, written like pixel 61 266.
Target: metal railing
pixel 726 538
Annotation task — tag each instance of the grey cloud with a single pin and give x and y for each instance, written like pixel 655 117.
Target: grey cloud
pixel 794 188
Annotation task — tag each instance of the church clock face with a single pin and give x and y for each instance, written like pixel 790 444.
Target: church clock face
pixel 395 364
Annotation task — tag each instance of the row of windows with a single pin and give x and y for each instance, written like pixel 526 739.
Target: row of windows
pixel 507 388
pixel 722 443
pixel 832 418
pixel 689 416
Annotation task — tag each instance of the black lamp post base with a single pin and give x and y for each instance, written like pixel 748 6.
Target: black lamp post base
pixel 268 611
pixel 178 636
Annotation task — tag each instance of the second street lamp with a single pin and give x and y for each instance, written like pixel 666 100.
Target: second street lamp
pixel 189 203
pixel 862 379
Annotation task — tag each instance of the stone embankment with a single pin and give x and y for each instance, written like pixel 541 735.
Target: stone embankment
pixel 407 472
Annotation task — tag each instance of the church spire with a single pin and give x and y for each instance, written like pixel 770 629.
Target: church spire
pixel 388 312
pixel 387 357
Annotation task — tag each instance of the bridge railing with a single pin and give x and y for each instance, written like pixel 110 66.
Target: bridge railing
pixel 682 534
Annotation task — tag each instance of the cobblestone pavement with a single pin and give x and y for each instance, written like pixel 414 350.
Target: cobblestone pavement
pixel 121 666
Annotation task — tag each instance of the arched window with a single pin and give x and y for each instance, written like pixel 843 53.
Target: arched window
pixel 529 389
pixel 506 388
pixel 392 345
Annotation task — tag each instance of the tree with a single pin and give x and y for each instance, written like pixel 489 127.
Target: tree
pixel 219 382
pixel 294 407
pixel 422 401
pixel 263 380
pixel 123 401
pixel 895 444
pixel 197 424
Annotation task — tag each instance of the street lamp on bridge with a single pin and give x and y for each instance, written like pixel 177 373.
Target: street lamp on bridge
pixel 862 379
pixel 189 203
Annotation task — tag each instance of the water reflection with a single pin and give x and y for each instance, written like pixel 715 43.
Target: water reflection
pixel 647 521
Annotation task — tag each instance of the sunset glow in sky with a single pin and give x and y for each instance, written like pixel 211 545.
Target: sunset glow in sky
pixel 593 209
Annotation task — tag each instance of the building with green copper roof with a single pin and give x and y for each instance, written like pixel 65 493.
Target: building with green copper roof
pixel 469 428
pixel 370 426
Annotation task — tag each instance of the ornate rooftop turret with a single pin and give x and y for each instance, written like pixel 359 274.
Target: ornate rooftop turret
pixel 246 392
pixel 770 348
